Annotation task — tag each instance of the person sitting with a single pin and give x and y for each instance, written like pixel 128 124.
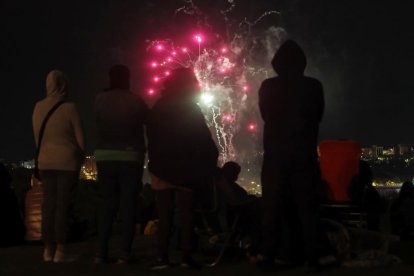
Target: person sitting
pixel 12 229
pixel 363 194
pixel 401 213
pixel 237 202
pixel 182 156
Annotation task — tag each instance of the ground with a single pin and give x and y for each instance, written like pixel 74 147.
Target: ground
pixel 26 260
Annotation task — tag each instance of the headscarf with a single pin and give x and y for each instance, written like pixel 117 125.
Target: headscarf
pixel 56 84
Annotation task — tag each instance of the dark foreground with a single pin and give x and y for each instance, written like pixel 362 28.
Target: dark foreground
pixel 26 260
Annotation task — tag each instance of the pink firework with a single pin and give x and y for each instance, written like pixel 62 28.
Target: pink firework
pixel 252 127
pixel 198 38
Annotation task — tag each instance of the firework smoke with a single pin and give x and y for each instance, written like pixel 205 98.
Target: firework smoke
pixel 229 72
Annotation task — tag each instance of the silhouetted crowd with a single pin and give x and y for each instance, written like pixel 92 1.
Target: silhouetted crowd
pixel 183 166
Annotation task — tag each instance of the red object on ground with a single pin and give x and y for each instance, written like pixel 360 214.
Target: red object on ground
pixel 339 163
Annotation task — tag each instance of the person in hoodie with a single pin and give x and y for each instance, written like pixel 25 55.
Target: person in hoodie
pixel 291 106
pixel 59 162
pixel 182 156
pixel 120 150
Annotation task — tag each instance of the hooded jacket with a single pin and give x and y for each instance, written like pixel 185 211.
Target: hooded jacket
pixel 180 147
pixel 63 139
pixel 291 106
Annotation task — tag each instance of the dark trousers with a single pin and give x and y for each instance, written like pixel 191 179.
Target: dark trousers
pixel 166 208
pixel 58 191
pixel 284 181
pixel 119 183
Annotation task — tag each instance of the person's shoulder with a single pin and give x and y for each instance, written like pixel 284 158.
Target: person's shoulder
pixel 124 95
pixel 47 104
pixel 160 104
pixel 268 84
pixel 270 81
pixel 313 81
pixel 137 98
pixel 70 106
pixel 42 103
pixel 38 105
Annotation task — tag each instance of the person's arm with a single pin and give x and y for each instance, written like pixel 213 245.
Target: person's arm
pixel 35 131
pixel 206 141
pixel 262 100
pixel 321 101
pixel 78 128
pixel 143 111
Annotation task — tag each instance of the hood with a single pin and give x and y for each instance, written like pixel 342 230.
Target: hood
pixel 181 85
pixel 289 59
pixel 56 84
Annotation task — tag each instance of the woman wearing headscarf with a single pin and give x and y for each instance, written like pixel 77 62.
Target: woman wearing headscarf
pixel 182 156
pixel 59 161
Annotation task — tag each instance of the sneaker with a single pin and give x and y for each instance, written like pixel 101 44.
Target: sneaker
pixel 124 260
pixel 99 259
pixel 160 264
pixel 189 262
pixel 47 256
pixel 61 257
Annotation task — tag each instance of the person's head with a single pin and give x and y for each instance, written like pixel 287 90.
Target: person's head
pixel 289 60
pixel 56 84
pixel 407 190
pixel 365 173
pixel 231 171
pixel 119 76
pixel 181 84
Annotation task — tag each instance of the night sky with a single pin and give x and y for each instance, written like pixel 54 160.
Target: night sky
pixel 362 51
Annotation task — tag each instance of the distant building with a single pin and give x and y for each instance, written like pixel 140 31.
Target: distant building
pixel 366 153
pixel 377 151
pixel 389 151
pixel 403 149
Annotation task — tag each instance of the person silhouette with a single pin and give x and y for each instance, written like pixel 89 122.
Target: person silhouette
pixel 182 156
pixel 291 106
pixel 401 214
pixel 363 194
pixel 239 203
pixel 60 156
pixel 120 150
